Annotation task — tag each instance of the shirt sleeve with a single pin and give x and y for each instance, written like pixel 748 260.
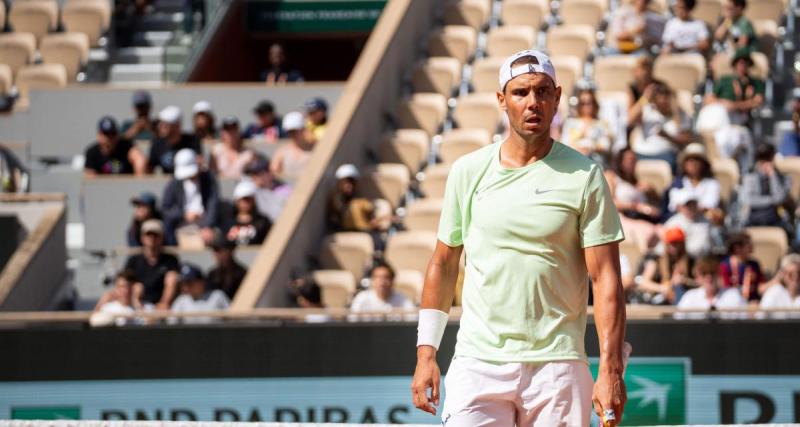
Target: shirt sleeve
pixel 669 32
pixel 599 221
pixel 451 231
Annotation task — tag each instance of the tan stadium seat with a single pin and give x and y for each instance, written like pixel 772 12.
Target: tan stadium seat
pixel 574 40
pixel 568 70
pixel 632 249
pixel 478 110
pixel 435 180
pixel 708 11
pixel 685 101
pixel 771 10
pixel 484 74
pixel 726 171
pixel 614 72
pixel 791 166
pixel 582 12
pixel 88 17
pixel 655 173
pixel 657 6
pixel 410 283
pixel 407 146
pixel 423 214
pixel 388 181
pixel 769 245
pixel 525 12
pixel 68 49
pixel 40 76
pixel 457 41
pixel 711 145
pixel 6 79
pixel 473 13
pixel 619 96
pixel 509 39
pixel 425 111
pixel 438 74
pixel 410 250
pixel 767 33
pixel 462 141
pixel 35 17
pixel 336 286
pixel 17 50
pixel 105 6
pixel 683 71
pixel 351 251
pixel 721 65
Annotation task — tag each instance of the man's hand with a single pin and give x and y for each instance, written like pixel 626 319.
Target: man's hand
pixel 426 376
pixel 609 393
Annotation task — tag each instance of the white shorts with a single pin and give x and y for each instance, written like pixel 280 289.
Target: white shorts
pixel 523 394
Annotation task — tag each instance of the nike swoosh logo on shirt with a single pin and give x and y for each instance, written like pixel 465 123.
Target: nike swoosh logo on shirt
pixel 540 191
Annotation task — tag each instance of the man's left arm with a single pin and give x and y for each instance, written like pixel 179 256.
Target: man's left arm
pixel 602 263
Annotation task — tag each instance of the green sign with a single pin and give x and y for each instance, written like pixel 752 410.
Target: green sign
pixel 657 389
pixel 46 413
pixel 301 16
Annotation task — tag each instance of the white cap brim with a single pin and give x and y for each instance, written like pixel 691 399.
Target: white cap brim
pixel 186 171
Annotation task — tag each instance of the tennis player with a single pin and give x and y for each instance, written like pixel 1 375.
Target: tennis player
pixel 534 217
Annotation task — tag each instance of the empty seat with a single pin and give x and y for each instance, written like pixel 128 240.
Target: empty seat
pixel 524 12
pixel 462 141
pixel 771 10
pixel 683 71
pixel 336 286
pixel 68 49
pixel 582 12
pixel 721 65
pixel 351 251
pixel 568 70
pixel 509 39
pixel 726 171
pixel 6 79
pixel 87 17
pixel 769 245
pixel 388 181
pixel 40 76
pixel 708 11
pixel 655 173
pixel 17 50
pixel 435 180
pixel 484 74
pixel 791 166
pixel 614 73
pixel 35 17
pixel 410 250
pixel 477 110
pixel 767 33
pixel 456 41
pixel 425 111
pixel 423 214
pixel 407 146
pixel 572 40
pixel 473 13
pixel 410 283
pixel 439 74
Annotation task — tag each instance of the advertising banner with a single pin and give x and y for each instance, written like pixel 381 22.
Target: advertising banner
pixel 302 16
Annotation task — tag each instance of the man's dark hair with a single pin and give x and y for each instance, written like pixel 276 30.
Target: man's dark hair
pixel 707 265
pixel 765 152
pixel 735 240
pixel 524 60
pixel 740 3
pixel 382 264
pixel 689 4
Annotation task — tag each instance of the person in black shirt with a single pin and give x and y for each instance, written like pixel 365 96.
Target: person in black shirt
pixel 228 274
pixel 250 227
pixel 144 208
pixel 111 154
pixel 278 72
pixel 155 270
pixel 169 141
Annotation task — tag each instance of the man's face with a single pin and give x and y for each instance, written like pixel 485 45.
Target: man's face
pixel 122 291
pixel 741 67
pixel 230 135
pixel 245 204
pixel 663 102
pixel 262 179
pixel 298 136
pixel 317 116
pixel 152 240
pixel 347 186
pixel 169 130
pixel 681 11
pixel 381 282
pixel 223 255
pixel 141 211
pixel 202 121
pixel 791 276
pixel 142 110
pixel 106 141
pixel 266 119
pixel 732 11
pixel 707 280
pixel 531 101
pixel 276 56
pixel 194 288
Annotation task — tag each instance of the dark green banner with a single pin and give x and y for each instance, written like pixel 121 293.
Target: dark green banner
pixel 300 16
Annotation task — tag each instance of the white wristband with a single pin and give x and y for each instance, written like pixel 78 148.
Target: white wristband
pixel 431 327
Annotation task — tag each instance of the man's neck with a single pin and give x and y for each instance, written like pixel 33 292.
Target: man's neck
pixel 150 253
pixel 516 152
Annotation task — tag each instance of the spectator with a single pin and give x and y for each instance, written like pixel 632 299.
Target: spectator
pixel 634 28
pixel 170 140
pixel 696 179
pixel 665 128
pixel 271 194
pixel 191 198
pixel 694 224
pixel 765 191
pixel 640 91
pixel 14 176
pixel 142 127
pixel 736 30
pixel 267 127
pixel 250 227
pixel 203 121
pixel 790 145
pixel 290 159
pixel 380 296
pixel 738 270
pixel 740 93
pixel 228 273
pixel 684 33
pixel 664 279
pixel 144 208
pixel 153 268
pixel 124 299
pixel 636 201
pixel 278 72
pixel 316 118
pixel 229 157
pixel 110 155
pixel 194 296
pixel 347 211
pixel 586 133
pixel 306 293
pixel 708 295
pixel 783 291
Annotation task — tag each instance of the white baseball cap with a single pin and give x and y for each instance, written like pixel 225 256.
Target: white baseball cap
pixel 293 121
pixel 202 107
pixel 171 114
pixel 541 64
pixel 243 189
pixel 186 164
pixel 347 170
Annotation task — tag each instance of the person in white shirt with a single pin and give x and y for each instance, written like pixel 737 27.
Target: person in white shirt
pixel 696 178
pixel 691 220
pixel 124 299
pixel 684 33
pixel 708 295
pixel 381 295
pixel 195 298
pixel 665 128
pixel 783 291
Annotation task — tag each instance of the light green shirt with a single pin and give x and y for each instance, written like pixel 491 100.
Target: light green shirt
pixel 523 230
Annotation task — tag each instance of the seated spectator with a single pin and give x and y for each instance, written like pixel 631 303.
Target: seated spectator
pixel 124 299
pixel 169 140
pixel 738 270
pixel 271 194
pixel 696 179
pixel 380 296
pixel 684 33
pixel 191 198
pixel 228 273
pixel 203 121
pixel 765 191
pixel 229 157
pixel 250 227
pixel 267 127
pixel 740 93
pixel 634 28
pixel 694 224
pixel 110 155
pixel 790 145
pixel 153 268
pixel 306 293
pixel 347 211
pixel 195 298
pixel 640 91
pixel 142 127
pixel 290 159
pixel 636 201
pixel 586 133
pixel 278 71
pixel 708 295
pixel 316 118
pixel 144 208
pixel 736 30
pixel 662 280
pixel 14 176
pixel 665 128
pixel 783 291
